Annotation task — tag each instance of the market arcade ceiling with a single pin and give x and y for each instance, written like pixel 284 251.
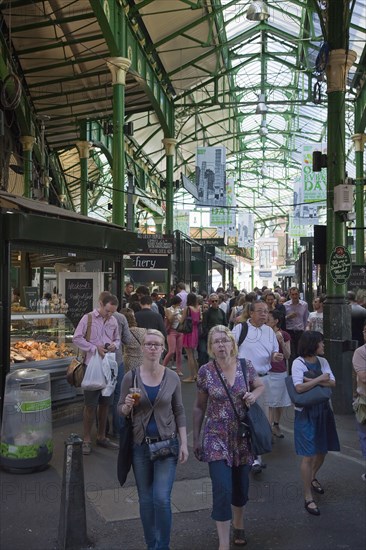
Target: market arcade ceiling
pixel 209 60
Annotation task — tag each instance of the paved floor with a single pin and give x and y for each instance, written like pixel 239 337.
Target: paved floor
pixel 275 517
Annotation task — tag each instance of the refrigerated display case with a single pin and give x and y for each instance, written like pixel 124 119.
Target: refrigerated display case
pixel 44 341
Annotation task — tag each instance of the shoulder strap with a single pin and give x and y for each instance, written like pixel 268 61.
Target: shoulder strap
pixel 87 335
pixel 227 391
pixel 88 327
pixel 135 337
pixel 243 333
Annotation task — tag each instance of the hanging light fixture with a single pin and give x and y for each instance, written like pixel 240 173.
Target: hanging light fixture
pixel 263 130
pixel 258 11
pixel 261 107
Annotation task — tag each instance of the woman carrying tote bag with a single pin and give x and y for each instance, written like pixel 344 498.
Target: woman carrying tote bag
pixel 315 430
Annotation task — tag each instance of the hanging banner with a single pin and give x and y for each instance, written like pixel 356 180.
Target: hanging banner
pixel 245 229
pixel 211 176
pixel 181 221
pixel 225 218
pixel 303 214
pixel 296 229
pixel 314 184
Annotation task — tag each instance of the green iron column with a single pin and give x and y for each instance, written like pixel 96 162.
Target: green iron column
pixel 337 314
pixel 27 143
pixel 169 144
pixel 118 67
pixel 83 148
pixel 359 141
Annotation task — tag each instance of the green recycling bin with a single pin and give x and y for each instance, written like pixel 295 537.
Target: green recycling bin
pixel 26 431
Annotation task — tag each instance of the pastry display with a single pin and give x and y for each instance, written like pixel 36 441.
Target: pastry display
pixel 30 350
pixel 16 308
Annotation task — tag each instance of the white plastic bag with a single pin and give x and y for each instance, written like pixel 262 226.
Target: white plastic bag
pixel 94 378
pixel 110 369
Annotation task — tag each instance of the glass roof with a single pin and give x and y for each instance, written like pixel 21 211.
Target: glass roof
pixel 213 62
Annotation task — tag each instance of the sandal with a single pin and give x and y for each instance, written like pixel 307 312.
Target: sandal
pixel 317 486
pixel 238 537
pixel 313 511
pixel 86 448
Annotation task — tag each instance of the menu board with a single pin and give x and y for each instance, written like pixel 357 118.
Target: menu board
pixel 79 296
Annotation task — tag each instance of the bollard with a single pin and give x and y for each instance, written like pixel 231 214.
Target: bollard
pixel 72 525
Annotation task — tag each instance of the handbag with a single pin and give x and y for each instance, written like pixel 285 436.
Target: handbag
pixel 359 407
pixel 75 372
pixel 254 426
pixel 76 369
pixel 314 396
pixel 163 449
pixel 186 326
pixel 124 460
pixel 259 427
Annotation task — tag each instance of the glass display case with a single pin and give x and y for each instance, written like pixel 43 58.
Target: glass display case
pixel 43 341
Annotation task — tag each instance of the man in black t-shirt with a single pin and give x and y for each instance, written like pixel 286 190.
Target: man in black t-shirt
pixel 211 318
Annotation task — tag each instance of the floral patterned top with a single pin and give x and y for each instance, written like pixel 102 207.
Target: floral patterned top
pixel 220 439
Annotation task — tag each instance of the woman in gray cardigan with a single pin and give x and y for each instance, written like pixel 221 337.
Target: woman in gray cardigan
pixel 157 416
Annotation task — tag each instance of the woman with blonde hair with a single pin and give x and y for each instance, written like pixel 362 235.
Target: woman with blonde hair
pixel 158 416
pixel 224 445
pixel 132 352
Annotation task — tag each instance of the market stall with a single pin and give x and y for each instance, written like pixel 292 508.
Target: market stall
pixel 36 329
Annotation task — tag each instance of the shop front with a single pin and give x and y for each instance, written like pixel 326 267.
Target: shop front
pixel 54 265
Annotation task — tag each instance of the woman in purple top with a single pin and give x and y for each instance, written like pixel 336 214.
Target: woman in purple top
pixel 226 451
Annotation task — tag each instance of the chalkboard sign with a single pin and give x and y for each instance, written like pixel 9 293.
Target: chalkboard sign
pixel 357 278
pixel 30 297
pixel 79 296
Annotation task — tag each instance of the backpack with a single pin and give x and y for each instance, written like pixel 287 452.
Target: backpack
pixel 243 333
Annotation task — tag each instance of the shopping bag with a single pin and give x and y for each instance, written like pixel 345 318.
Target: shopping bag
pixel 94 378
pixel 110 369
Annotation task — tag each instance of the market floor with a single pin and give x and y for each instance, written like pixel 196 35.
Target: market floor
pixel 275 515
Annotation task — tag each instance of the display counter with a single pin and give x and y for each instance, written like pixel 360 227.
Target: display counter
pixel 43 341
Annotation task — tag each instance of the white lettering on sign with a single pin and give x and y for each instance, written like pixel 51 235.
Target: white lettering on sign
pixel 144 262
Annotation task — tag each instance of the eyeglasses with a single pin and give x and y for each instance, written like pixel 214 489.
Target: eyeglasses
pixel 223 341
pixel 152 345
pixel 213 301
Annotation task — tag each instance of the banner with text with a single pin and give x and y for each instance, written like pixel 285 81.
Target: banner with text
pixel 314 184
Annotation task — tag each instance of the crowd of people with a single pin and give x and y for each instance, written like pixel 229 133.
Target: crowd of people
pixel 271 333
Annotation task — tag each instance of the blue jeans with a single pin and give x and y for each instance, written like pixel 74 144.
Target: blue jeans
pixel 154 482
pixel 230 486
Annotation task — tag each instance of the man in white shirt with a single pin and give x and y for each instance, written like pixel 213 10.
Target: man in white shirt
pixel 182 293
pixel 297 313
pixel 260 346
pixel 315 319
